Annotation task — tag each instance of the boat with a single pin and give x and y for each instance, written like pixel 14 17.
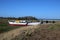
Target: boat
pixel 22 23
pixel 17 22
pixel 34 23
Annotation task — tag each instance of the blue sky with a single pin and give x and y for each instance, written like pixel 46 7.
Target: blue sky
pixel 38 8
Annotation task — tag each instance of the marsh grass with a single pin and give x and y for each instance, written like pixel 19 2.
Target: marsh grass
pixel 54 27
pixel 46 32
pixel 4 26
pixel 40 32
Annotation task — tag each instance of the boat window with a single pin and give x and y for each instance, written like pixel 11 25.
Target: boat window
pixel 12 21
pixel 22 21
pixel 29 21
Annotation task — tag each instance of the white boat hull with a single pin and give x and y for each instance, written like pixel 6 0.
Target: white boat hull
pixel 17 24
pixel 34 23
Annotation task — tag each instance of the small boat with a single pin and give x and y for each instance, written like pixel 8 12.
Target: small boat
pixel 17 23
pixel 34 23
pixel 22 23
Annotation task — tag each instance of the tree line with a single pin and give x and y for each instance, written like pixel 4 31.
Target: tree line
pixel 21 18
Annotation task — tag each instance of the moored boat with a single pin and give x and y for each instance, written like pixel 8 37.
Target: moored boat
pixel 34 23
pixel 17 23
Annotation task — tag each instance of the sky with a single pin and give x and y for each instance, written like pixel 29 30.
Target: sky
pixel 49 9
